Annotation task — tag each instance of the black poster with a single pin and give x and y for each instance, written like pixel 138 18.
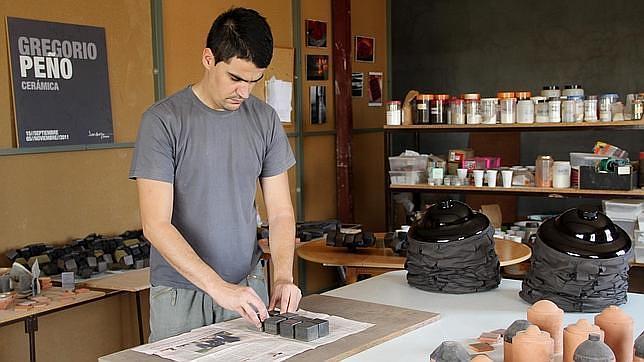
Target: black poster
pixel 60 83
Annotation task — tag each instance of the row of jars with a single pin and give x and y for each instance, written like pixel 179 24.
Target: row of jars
pixel 522 107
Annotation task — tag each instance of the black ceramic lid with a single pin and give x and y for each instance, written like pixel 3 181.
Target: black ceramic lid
pixel 448 220
pixel 585 233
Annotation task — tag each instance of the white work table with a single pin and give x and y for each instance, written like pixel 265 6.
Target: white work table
pixel 462 316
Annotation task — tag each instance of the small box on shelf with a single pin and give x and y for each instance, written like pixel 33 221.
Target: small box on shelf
pixel 408 177
pixel 589 178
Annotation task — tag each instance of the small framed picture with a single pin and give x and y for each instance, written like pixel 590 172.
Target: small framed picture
pixel 315 33
pixel 317 67
pixel 365 48
pixel 374 87
pixel 317 99
pixel 357 83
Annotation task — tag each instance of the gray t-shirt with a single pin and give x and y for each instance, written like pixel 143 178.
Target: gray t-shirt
pixel 213 159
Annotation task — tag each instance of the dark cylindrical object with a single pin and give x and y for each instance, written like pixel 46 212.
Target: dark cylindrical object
pixel 579 262
pixel 451 250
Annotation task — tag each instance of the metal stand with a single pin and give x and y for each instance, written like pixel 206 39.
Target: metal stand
pixel 31 326
pixel 138 316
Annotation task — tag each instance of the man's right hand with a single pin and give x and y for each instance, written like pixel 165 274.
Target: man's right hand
pixel 242 300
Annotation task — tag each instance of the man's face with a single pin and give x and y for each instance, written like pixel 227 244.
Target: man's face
pixel 230 83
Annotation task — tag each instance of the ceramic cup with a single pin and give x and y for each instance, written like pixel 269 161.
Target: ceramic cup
pixel 478 177
pixel 461 172
pixel 507 178
pixel 491 177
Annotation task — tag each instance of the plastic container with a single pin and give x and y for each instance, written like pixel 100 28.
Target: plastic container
pixel 604 106
pixel 472 108
pixel 408 163
pixel 393 113
pixel 408 177
pixel 423 108
pixel 579 108
pixel 590 109
pixel 624 209
pixel 541 110
pixel 456 113
pixel 543 174
pixel 573 90
pixel 439 109
pixel 551 91
pixel 488 110
pixel 554 109
pixel 508 110
pixel 561 174
pixel 568 111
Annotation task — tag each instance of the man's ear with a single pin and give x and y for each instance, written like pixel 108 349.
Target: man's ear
pixel 207 58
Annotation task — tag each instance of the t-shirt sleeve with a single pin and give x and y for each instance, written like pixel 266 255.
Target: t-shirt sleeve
pixel 154 150
pixel 279 156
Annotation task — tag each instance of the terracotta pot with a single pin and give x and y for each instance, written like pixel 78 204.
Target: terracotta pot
pixel 548 317
pixel 575 334
pixel 510 332
pixel 532 345
pixel 618 332
pixel 481 358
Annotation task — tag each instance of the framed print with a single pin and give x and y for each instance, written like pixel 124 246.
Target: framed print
pixel 365 48
pixel 315 33
pixel 317 99
pixel 375 89
pixel 317 67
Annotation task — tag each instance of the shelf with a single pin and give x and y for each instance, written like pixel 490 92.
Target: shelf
pixel 549 192
pixel 516 127
pixel 637 265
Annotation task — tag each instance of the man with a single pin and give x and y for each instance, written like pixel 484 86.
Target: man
pixel 198 156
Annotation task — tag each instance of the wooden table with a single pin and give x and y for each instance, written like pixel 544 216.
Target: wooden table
pixel 375 261
pixel 133 281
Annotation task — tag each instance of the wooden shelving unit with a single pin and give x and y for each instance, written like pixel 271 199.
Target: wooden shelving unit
pixel 517 127
pixel 390 131
pixel 550 192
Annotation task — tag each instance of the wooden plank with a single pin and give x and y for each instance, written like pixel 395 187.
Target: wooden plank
pixel 551 192
pixel 129 281
pixel 390 322
pixel 7 316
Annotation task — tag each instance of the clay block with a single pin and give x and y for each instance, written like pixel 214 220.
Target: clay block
pixel 273 313
pixel 481 347
pixel 288 315
pixel 306 331
pixel 272 325
pixel 323 327
pixel 489 337
pixel 287 328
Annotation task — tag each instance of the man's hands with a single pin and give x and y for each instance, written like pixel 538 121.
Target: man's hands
pixel 242 300
pixel 288 296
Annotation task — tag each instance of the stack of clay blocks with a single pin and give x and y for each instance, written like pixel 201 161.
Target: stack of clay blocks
pixel 291 325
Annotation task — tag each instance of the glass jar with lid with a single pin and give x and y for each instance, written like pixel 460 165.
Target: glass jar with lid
pixel 550 91
pixel 488 110
pixel 579 107
pixel 456 113
pixel 554 109
pixel 604 105
pixel 423 108
pixel 568 110
pixel 507 107
pixel 590 109
pixel 573 90
pixel 543 171
pixel 393 113
pixel 439 109
pixel 472 108
pixel 541 109
pixel 525 108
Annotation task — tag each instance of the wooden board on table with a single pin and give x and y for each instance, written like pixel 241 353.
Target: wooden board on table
pixel 128 281
pixel 55 294
pixel 390 322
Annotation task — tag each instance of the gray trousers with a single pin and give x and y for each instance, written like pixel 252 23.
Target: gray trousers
pixel 174 311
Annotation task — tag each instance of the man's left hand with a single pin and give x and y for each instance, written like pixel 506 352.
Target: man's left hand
pixel 287 296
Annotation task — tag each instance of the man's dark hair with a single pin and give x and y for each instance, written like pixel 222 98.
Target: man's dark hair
pixel 241 33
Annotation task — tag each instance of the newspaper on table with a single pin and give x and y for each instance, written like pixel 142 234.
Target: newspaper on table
pixel 237 340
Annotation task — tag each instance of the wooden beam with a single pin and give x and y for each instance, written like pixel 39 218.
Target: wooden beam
pixel 341 20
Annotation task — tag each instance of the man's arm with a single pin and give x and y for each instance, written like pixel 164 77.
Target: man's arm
pixel 281 223
pixel 155 201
